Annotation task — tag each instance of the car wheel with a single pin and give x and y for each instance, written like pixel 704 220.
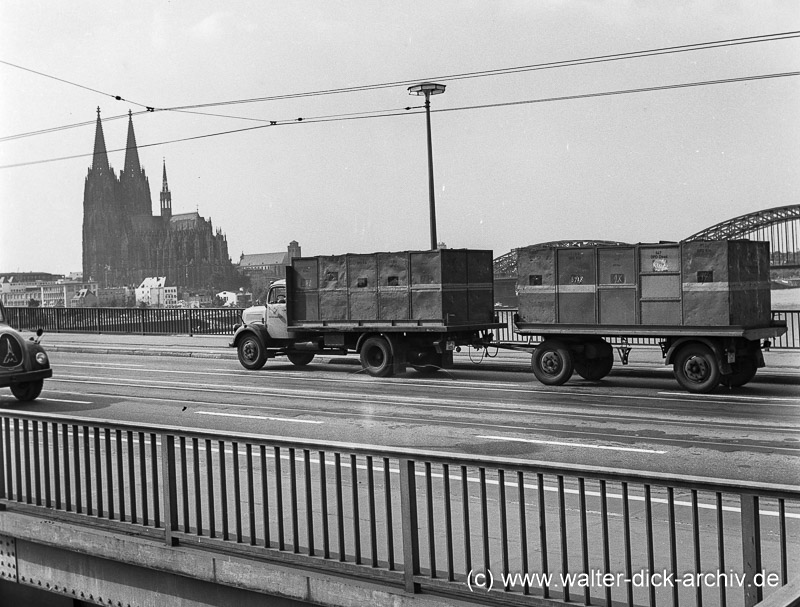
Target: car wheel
pixel 27 391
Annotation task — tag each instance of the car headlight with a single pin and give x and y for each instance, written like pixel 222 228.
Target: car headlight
pixel 41 358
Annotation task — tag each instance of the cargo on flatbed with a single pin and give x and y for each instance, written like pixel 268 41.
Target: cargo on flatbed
pixel 707 301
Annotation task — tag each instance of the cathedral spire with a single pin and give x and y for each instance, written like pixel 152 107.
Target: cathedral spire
pixel 131 153
pixel 100 160
pixel 166 196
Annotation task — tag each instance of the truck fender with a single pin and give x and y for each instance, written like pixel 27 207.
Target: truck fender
pixel 258 331
pixel 713 344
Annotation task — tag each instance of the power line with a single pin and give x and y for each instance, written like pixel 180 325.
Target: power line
pixel 510 70
pixel 80 86
pixel 389 113
pixel 463 76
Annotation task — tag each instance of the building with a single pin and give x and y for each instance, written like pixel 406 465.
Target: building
pixel 20 290
pixel 154 292
pixel 124 243
pixel 265 268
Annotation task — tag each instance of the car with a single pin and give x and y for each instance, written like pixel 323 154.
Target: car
pixel 24 364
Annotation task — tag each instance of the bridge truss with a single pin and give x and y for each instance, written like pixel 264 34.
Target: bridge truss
pixel 779 226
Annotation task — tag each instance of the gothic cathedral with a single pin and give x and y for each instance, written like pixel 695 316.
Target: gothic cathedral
pixel 123 242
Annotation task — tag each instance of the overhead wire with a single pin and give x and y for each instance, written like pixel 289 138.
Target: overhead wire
pixel 466 75
pixel 389 113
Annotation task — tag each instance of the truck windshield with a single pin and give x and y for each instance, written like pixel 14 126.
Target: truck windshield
pixel 277 295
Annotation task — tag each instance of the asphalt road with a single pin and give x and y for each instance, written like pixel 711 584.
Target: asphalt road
pixel 637 418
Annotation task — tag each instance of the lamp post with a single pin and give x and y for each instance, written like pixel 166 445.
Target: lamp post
pixel 428 89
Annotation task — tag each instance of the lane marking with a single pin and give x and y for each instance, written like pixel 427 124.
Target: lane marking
pixel 564 444
pixel 744 397
pixel 63 400
pixel 274 419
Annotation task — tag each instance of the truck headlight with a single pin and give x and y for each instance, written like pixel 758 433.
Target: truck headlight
pixel 41 358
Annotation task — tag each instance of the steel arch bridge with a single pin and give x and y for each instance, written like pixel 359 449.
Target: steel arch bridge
pixel 779 226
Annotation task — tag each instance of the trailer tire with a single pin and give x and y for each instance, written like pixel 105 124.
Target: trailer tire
pixel 376 357
pixel 301 359
pixel 552 363
pixel 596 361
pixel 696 368
pixel 744 369
pixel 27 391
pixel 252 353
pixel 594 369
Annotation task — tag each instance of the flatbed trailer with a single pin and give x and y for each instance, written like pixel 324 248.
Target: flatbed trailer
pixel 707 303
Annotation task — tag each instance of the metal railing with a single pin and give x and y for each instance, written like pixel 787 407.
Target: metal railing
pixel 220 321
pixel 144 321
pixel 453 524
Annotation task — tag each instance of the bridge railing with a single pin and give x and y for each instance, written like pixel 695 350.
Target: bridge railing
pixel 454 524
pixel 220 321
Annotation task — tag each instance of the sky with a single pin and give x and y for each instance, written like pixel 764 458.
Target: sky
pixel 552 151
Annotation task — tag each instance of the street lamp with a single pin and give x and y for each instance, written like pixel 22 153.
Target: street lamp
pixel 428 89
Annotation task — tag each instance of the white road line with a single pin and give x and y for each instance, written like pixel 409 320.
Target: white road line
pixel 274 419
pixel 63 400
pixel 743 397
pixel 564 444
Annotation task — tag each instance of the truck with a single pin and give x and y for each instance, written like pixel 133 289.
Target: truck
pixel 706 303
pixel 394 309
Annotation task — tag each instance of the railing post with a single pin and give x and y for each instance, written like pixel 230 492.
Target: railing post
pixel 170 488
pixel 751 548
pixel 408 512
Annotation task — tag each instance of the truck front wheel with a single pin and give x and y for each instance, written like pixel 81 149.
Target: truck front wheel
pixel 252 353
pixel 552 363
pixel 696 368
pixel 376 357
pixel 27 391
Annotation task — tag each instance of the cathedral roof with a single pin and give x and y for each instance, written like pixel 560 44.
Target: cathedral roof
pixel 263 259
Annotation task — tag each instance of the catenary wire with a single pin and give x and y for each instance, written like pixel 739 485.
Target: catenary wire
pixel 389 113
pixel 466 75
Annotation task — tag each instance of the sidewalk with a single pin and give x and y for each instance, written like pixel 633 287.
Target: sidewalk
pixel 216 346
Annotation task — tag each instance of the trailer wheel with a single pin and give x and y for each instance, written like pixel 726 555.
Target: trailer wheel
pixel 744 370
pixel 597 360
pixel 594 369
pixel 27 391
pixel 252 353
pixel 300 359
pixel 696 368
pixel 552 363
pixel 376 357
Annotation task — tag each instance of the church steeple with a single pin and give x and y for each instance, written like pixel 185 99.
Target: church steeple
pixel 131 152
pixel 166 195
pixel 100 159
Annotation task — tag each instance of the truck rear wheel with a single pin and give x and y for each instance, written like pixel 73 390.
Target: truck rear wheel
pixel 696 368
pixel 300 359
pixel 252 353
pixel 552 363
pixel 376 357
pixel 27 391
